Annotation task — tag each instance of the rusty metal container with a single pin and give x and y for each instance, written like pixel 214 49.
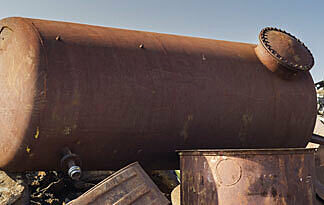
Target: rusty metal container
pixel 115 96
pixel 253 177
pixel 319 160
pixel 128 186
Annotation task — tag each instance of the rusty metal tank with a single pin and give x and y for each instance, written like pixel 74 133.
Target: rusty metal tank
pixel 248 177
pixel 115 96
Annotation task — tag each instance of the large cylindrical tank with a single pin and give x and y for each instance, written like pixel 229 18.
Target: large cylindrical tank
pixel 115 96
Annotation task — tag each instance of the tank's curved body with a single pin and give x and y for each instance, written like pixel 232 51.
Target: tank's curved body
pixel 115 96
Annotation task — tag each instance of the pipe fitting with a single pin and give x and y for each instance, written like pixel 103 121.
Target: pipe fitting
pixel 71 163
pixel 75 172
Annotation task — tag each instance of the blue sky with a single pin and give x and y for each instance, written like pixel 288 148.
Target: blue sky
pixel 223 20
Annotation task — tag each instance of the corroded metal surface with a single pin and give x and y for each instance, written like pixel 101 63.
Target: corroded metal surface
pixel 319 159
pixel 319 182
pixel 116 96
pixel 231 177
pixel 286 49
pixel 130 185
pixel 283 53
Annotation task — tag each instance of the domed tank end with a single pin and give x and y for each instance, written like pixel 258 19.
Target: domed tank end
pixel 283 53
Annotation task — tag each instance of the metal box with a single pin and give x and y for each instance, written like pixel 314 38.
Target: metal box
pixel 231 177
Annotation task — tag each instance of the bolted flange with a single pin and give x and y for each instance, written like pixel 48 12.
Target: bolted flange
pixel 285 49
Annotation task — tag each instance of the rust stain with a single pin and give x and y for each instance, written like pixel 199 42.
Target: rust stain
pixel 67 131
pixel 184 131
pixel 45 85
pixel 245 127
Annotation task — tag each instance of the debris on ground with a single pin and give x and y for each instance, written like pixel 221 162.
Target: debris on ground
pixel 166 180
pixel 11 191
pixel 129 185
pixel 56 188
pixel 320 97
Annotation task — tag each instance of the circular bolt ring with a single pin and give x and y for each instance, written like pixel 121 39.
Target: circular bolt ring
pixel 265 43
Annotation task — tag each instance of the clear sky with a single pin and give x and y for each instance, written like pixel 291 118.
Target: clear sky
pixel 239 20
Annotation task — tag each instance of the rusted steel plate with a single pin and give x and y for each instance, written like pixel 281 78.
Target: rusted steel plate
pixel 115 96
pixel 130 185
pixel 253 177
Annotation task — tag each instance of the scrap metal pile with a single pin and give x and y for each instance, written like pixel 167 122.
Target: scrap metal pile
pixel 78 97
pixel 320 97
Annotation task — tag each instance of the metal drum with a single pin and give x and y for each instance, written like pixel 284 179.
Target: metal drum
pixel 115 96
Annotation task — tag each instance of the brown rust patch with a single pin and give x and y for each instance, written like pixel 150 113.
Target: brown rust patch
pixel 245 126
pixel 184 131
